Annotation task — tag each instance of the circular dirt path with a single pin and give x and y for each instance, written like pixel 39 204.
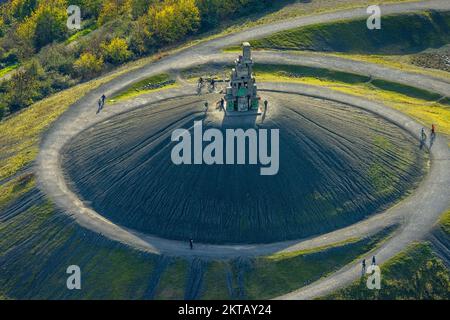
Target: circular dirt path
pixel 417 214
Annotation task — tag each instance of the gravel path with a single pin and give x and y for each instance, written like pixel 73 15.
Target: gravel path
pixel 417 213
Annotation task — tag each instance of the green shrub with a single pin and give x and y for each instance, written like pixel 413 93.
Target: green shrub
pixel 88 65
pixel 116 52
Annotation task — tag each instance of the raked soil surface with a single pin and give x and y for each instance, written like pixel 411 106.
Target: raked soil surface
pixel 338 165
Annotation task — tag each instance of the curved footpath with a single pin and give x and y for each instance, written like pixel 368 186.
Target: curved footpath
pixel 417 214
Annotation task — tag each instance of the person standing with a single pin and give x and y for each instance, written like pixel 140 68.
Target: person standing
pixel 374 262
pixel 433 130
pixel 191 243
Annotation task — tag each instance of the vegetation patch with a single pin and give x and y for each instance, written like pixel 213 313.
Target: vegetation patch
pixel 416 273
pixel 15 188
pixel 153 83
pixel 216 281
pixel 268 278
pixel 173 281
pixel 38 244
pixel 445 222
pixel 8 69
pixel 399 35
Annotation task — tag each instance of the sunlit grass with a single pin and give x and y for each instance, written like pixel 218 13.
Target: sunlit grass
pixel 78 35
pixel 8 69
pixel 445 222
pixel 291 254
pixel 425 112
pixel 160 81
pixel 15 188
pixel 415 273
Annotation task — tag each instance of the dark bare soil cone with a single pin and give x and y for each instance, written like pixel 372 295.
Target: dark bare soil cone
pixel 338 165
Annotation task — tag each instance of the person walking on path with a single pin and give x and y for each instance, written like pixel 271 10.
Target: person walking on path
pixel 423 135
pixel 199 85
pixel 103 100
pixel 433 130
pixel 374 262
pixel 191 244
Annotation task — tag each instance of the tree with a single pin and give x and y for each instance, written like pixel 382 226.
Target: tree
pixel 88 65
pixel 172 20
pixel 141 39
pixel 46 24
pixel 24 86
pixel 21 9
pixel 113 9
pixel 116 51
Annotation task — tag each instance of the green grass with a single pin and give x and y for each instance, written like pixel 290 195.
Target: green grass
pixel 38 244
pixel 444 222
pixel 8 69
pixel 157 82
pixel 119 272
pixel 416 273
pixel 215 287
pixel 279 273
pixel 399 35
pixel 173 280
pixel 79 34
pixel 15 188
pixel 268 278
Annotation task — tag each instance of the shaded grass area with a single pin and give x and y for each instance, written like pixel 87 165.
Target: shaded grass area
pixel 271 276
pixel 173 281
pixel 16 188
pixel 416 273
pixel 417 103
pixel 147 85
pixel 38 244
pixel 400 34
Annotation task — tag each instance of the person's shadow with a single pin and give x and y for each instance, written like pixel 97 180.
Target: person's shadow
pixel 432 139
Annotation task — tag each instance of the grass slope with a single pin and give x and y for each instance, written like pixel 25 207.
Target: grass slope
pixel 399 34
pixel 271 276
pixel 415 273
pixel 150 84
pixel 38 244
